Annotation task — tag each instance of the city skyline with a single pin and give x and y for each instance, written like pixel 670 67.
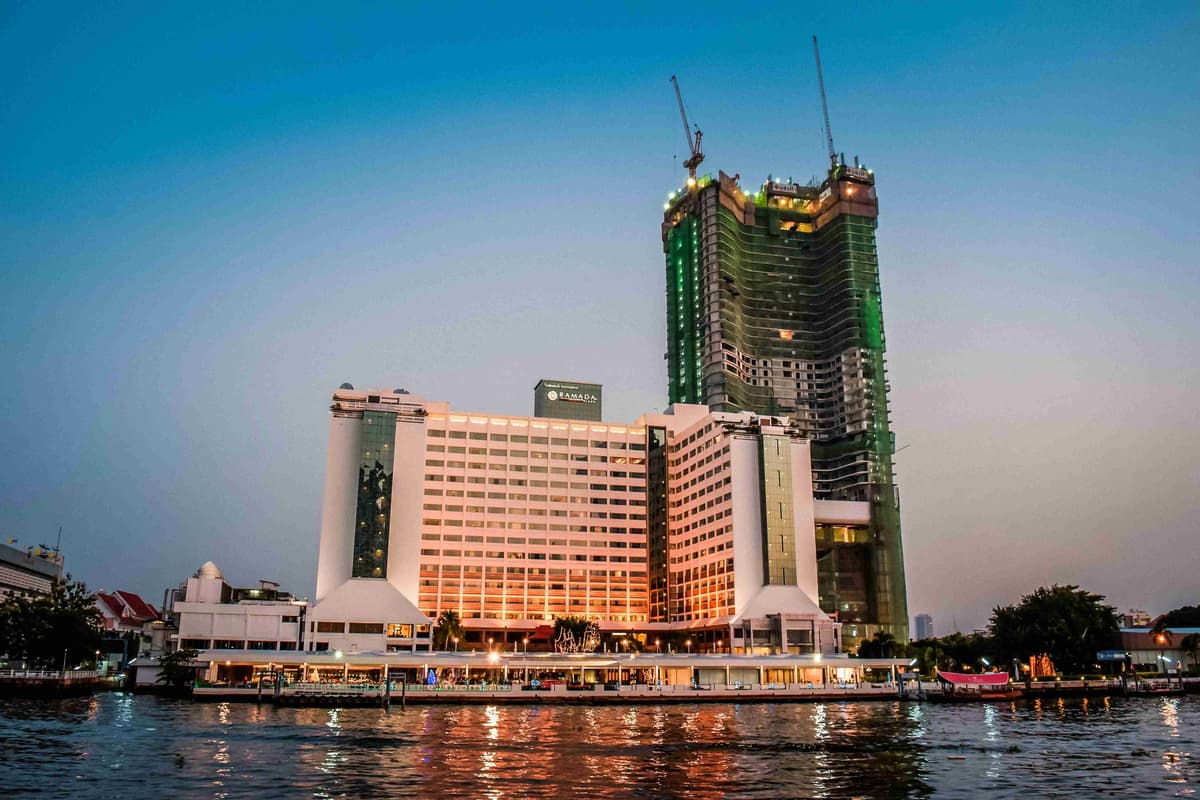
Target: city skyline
pixel 208 229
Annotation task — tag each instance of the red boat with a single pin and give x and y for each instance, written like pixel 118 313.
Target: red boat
pixel 966 687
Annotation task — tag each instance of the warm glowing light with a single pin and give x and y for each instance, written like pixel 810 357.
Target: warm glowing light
pixel 691 183
pixel 493 658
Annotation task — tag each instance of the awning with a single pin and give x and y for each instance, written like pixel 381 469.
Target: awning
pixel 973 679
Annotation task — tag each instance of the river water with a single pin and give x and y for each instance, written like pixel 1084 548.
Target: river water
pixel 135 746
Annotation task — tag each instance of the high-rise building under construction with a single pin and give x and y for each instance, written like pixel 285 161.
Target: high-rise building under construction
pixel 773 306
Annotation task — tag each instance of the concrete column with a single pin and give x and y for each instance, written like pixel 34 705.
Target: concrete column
pixel 340 504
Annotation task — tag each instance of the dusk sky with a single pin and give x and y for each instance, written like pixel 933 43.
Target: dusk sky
pixel 210 219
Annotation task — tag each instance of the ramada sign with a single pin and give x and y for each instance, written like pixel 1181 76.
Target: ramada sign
pixel 571 397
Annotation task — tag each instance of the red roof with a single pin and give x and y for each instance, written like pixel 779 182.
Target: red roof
pixel 127 607
pixel 139 607
pixel 973 679
pixel 542 633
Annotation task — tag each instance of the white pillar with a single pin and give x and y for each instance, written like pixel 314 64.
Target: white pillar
pixel 340 504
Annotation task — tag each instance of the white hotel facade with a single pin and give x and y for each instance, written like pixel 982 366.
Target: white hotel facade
pixel 680 524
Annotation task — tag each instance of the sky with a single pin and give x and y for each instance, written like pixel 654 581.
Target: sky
pixel 210 217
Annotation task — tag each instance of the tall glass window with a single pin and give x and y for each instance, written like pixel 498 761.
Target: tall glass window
pixel 779 531
pixel 374 515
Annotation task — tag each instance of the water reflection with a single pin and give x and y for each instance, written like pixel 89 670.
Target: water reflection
pixel 832 750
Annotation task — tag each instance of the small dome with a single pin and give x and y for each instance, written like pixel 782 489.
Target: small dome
pixel 209 570
pixel 346 386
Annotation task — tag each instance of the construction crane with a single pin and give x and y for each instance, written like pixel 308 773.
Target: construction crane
pixel 824 106
pixel 693 144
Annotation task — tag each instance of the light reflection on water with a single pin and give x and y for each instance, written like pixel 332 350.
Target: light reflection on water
pixel 143 746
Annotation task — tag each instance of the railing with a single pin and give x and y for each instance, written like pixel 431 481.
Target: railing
pixel 45 674
pixel 378 688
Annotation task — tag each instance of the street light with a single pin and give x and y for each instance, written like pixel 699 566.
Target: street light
pixel 64 664
pixel 720 645
pixel 689 645
pixel 525 644
pixel 455 640
pixel 658 645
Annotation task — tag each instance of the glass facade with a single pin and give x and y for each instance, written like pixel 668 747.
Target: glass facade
pixel 844 573
pixel 373 517
pixel 656 522
pixel 779 530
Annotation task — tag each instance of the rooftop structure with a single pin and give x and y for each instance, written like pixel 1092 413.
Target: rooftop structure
pixel 567 400
pixel 28 569
pixel 124 611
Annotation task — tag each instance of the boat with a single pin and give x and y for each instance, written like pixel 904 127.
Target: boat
pixel 964 687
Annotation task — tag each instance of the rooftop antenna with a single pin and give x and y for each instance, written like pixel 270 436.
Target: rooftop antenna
pixel 824 105
pixel 693 144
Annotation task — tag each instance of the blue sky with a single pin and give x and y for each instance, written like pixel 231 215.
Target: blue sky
pixel 210 217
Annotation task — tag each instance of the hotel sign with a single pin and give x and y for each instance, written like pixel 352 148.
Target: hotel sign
pixel 789 189
pixel 858 174
pixel 569 396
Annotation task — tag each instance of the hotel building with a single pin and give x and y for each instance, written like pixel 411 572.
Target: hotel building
pixel 686 524
pixel 774 307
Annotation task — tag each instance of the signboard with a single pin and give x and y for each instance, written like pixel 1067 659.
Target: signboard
pixel 570 396
pixel 858 174
pixel 567 400
pixel 789 189
pixel 1110 655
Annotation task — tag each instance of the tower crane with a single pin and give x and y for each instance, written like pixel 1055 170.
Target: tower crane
pixel 824 106
pixel 693 144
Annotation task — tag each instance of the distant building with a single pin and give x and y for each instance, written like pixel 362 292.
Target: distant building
pixel 1136 618
pixel 28 569
pixel 923 626
pixel 567 400
pixel 209 613
pixel 131 627
pixel 1159 652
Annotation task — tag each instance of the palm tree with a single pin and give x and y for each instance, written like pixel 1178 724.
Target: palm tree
pixel 449 628
pixel 1191 646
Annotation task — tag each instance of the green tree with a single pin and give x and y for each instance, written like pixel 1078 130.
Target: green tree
pixel 1066 623
pixel 1191 646
pixel 1184 617
pixel 49 629
pixel 882 645
pixel 449 627
pixel 175 667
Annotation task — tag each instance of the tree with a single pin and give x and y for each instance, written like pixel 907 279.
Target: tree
pixel 1184 617
pixel 1191 646
pixel 883 645
pixel 175 667
pixel 449 627
pixel 582 633
pixel 51 629
pixel 1065 623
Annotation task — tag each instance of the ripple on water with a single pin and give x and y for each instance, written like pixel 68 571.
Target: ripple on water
pixel 119 744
